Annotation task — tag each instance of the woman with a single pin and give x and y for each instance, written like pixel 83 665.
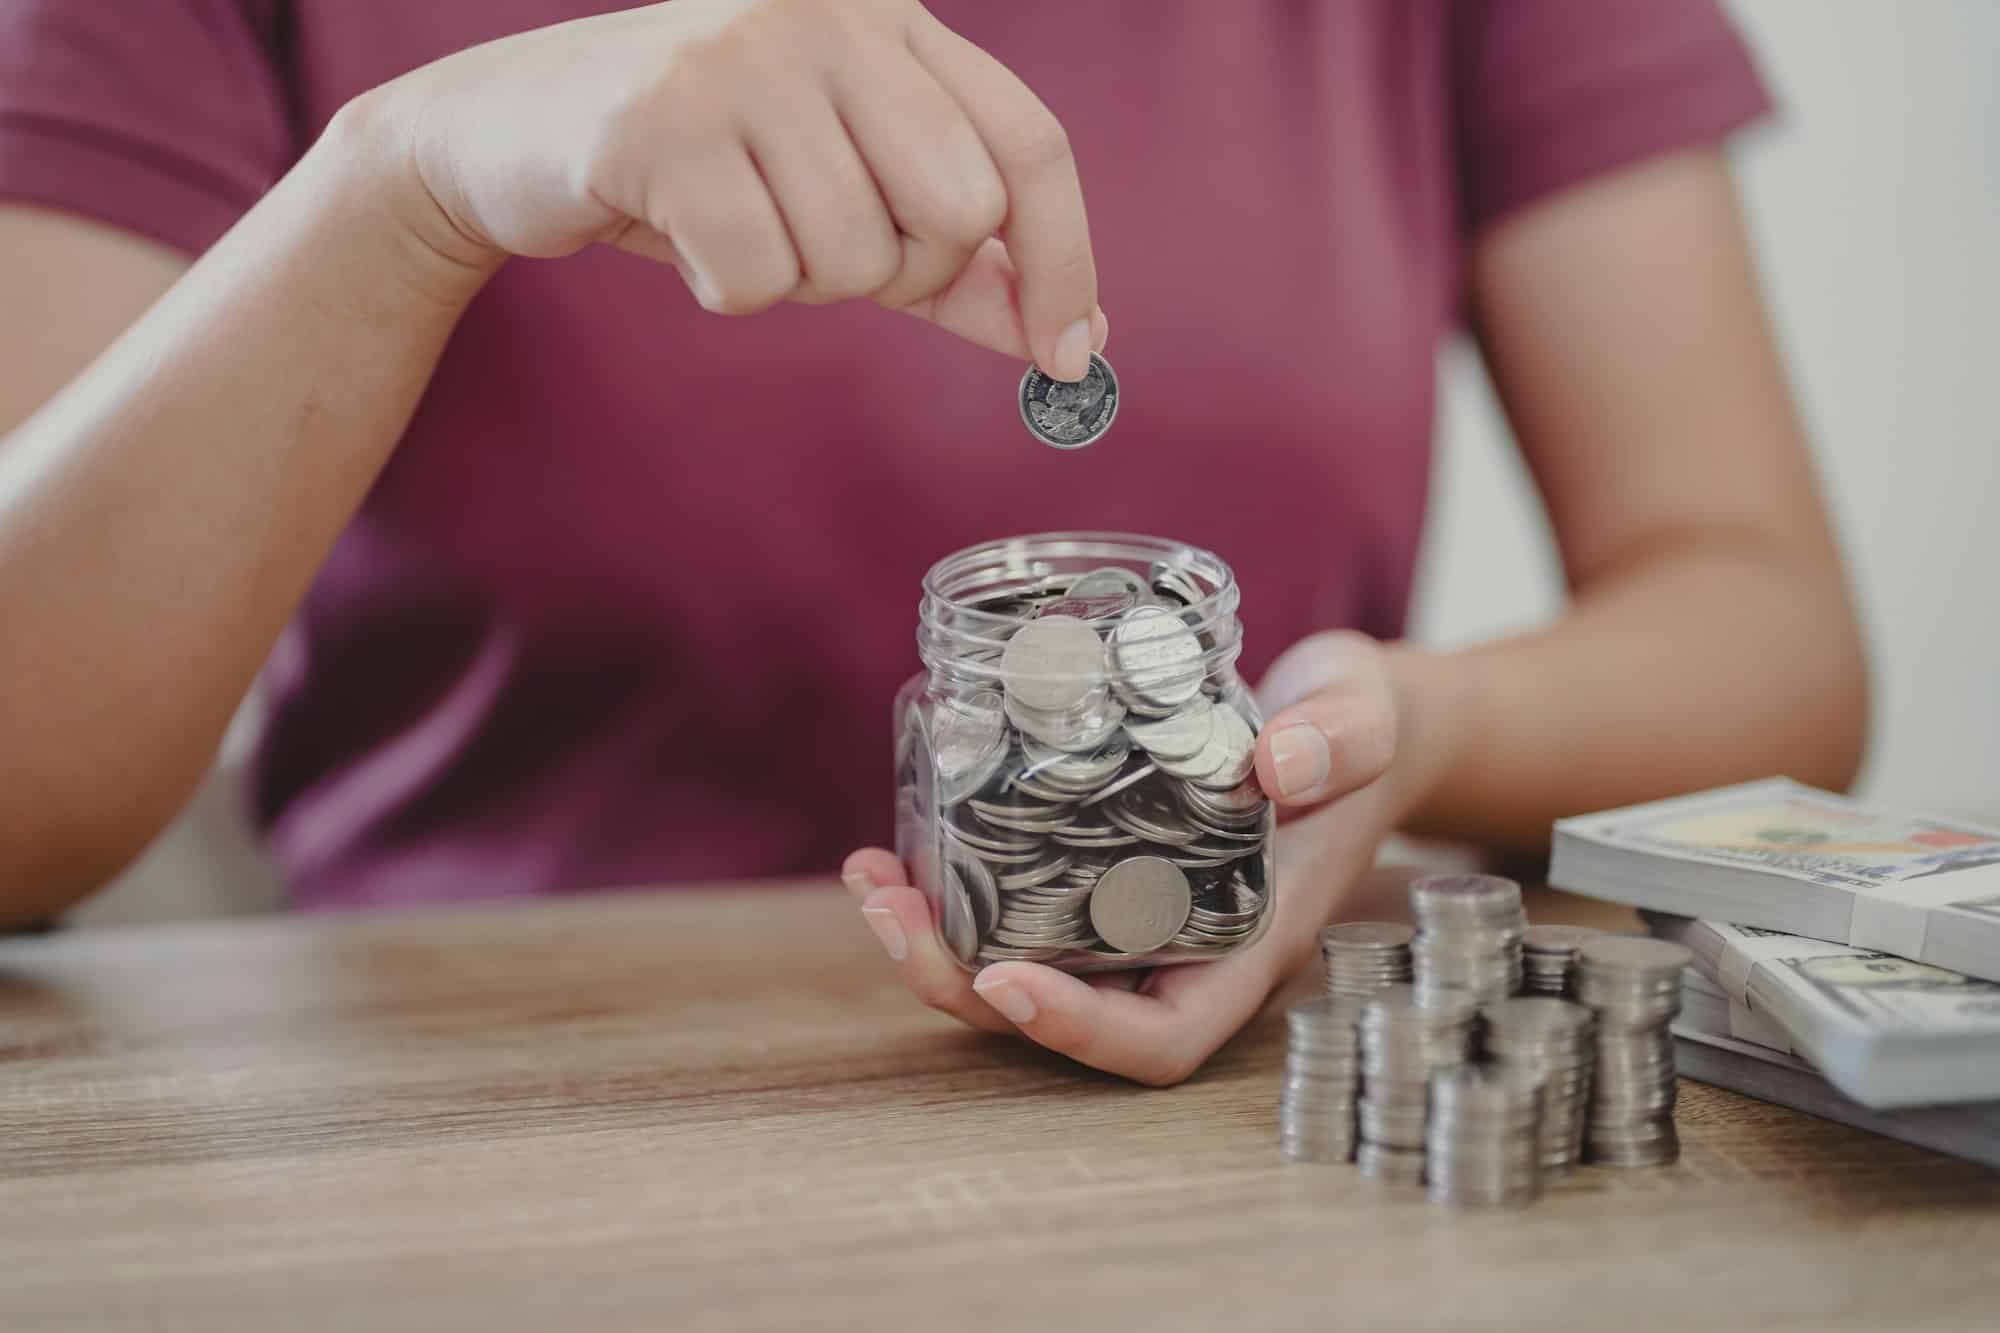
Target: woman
pixel 561 582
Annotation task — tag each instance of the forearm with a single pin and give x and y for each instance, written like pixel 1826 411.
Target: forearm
pixel 1712 658
pixel 161 518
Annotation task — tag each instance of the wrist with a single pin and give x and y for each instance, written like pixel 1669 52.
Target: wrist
pixel 364 168
pixel 1430 693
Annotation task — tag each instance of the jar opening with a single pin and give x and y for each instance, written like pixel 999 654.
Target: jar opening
pixel 975 599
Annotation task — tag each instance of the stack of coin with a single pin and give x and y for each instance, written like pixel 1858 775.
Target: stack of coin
pixel 1404 1042
pixel 1469 935
pixel 1322 1077
pixel 1547 955
pixel 1484 1136
pixel 1364 956
pixel 1096 804
pixel 1634 985
pixel 1554 1042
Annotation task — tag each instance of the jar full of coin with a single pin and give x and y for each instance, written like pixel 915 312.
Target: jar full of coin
pixel 1075 776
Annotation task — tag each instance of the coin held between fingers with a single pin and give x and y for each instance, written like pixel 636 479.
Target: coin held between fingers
pixel 1070 414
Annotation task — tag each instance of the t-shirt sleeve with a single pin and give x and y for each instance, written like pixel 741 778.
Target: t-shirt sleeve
pixel 1552 92
pixel 168 118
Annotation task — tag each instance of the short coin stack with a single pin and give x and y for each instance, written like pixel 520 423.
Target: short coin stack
pixel 1404 1041
pixel 1364 956
pixel 1553 1042
pixel 1548 953
pixel 1634 985
pixel 1484 1138
pixel 1469 935
pixel 1322 1078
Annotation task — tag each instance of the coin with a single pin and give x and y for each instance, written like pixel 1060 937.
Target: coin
pixel 956 922
pixel 1157 661
pixel 1069 414
pixel 1053 663
pixel 1180 735
pixel 968 743
pixel 1140 904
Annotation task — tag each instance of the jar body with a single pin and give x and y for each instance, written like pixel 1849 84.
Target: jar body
pixel 1074 766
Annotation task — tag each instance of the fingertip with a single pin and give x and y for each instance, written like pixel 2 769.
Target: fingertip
pixel 869 868
pixel 1029 995
pixel 1068 358
pixel 1100 329
pixel 1294 760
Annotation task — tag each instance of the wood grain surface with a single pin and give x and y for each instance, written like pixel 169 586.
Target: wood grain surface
pixel 718 1111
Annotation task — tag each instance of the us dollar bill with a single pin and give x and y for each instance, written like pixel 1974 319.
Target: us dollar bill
pixel 1782 856
pixel 1887 1031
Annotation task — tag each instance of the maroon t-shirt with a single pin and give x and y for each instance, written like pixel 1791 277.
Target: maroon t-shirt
pixel 632 599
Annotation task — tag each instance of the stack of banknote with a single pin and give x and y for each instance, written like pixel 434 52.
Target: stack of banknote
pixel 1847 960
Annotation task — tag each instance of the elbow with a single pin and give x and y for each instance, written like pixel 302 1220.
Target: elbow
pixel 49 864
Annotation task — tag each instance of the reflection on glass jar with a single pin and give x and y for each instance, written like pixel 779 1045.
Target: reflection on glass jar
pixel 1074 766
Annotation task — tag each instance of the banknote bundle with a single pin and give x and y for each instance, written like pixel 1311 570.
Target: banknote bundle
pixel 1886 1031
pixel 1705 1052
pixel 1779 856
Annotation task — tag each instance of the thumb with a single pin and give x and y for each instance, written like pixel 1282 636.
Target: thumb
pixel 1332 728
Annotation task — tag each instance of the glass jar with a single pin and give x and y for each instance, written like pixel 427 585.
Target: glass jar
pixel 1074 766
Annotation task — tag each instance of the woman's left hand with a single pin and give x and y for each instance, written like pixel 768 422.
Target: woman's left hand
pixel 1329 741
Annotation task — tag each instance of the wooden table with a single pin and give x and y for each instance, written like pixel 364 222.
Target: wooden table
pixel 718 1111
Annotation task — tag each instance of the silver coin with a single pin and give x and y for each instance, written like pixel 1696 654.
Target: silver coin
pixel 1239 752
pixel 1102 594
pixel 1555 939
pixel 1130 780
pixel 1086 770
pixel 1034 875
pixel 1156 660
pixel 1616 957
pixel 1175 582
pixel 1140 904
pixel 955 916
pixel 1069 414
pixel 1079 730
pixel 1368 936
pixel 1180 735
pixel 968 743
pixel 1053 664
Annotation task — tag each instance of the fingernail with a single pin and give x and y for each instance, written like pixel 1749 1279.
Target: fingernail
pixel 859 881
pixel 1100 330
pixel 1014 1003
pixel 888 930
pixel 698 283
pixel 1302 759
pixel 1072 354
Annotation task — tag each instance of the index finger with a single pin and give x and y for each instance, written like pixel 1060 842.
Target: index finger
pixel 1046 229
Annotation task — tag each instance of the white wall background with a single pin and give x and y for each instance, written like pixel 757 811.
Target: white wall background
pixel 1875 207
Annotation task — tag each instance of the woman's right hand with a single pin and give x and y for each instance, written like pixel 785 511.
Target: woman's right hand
pixel 771 150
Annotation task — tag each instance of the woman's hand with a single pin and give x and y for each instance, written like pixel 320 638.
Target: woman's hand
pixel 771 150
pixel 1331 738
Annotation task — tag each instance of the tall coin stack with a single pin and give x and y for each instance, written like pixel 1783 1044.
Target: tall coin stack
pixel 1634 985
pixel 1322 1076
pixel 1364 956
pixel 1548 954
pixel 1484 1137
pixel 1403 1043
pixel 1469 935
pixel 1553 1042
